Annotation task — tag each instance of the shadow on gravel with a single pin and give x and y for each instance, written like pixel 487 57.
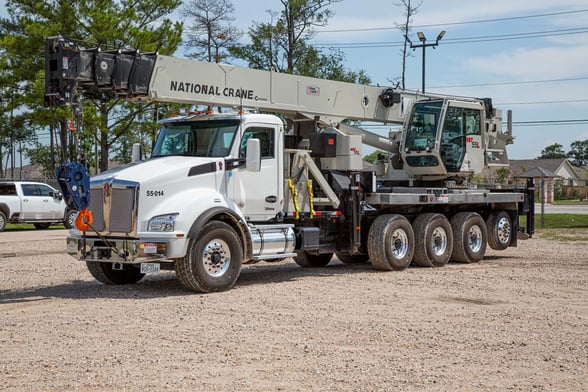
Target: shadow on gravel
pixel 167 285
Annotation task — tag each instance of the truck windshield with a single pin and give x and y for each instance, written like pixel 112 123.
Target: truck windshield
pixel 422 128
pixel 196 138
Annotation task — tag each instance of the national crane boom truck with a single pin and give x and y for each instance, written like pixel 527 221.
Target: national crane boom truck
pixel 221 190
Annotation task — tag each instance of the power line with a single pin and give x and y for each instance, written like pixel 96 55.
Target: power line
pixel 461 40
pixel 550 122
pixel 457 23
pixel 542 102
pixel 511 83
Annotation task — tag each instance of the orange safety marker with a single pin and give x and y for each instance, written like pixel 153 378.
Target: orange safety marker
pixel 84 220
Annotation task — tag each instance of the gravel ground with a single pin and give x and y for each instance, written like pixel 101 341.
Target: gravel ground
pixel 517 321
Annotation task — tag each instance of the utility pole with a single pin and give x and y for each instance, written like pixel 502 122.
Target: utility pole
pixel 424 45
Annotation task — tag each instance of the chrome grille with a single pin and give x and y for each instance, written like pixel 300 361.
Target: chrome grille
pixel 114 207
pixel 121 213
pixel 97 208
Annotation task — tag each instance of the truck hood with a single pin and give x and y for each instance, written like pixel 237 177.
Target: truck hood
pixel 170 167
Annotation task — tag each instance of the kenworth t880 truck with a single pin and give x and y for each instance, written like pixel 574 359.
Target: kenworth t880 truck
pixel 237 187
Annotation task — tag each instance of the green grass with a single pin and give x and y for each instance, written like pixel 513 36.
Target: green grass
pixel 29 226
pixel 559 221
pixel 561 227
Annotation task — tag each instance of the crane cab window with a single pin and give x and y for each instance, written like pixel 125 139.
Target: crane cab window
pixel 458 123
pixel 266 141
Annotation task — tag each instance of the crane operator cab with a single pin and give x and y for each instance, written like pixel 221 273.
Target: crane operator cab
pixel 443 139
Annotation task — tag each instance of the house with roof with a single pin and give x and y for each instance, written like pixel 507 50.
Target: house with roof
pixel 556 176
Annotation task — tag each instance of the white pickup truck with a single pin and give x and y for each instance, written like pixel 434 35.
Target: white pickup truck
pixel 33 202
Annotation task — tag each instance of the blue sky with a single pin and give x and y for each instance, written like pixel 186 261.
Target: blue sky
pixel 541 79
pixel 530 76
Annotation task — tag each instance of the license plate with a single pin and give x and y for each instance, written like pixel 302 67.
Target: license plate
pixel 150 268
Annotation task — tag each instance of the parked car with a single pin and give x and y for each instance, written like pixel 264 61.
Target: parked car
pixel 33 202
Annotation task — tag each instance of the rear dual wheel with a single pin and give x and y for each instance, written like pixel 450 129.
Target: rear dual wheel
pixel 391 242
pixel 433 240
pixel 500 230
pixel 470 237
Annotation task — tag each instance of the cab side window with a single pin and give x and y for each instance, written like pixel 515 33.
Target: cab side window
pixel 30 190
pixel 266 141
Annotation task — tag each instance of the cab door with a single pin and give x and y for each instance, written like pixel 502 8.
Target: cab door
pixel 38 203
pixel 260 194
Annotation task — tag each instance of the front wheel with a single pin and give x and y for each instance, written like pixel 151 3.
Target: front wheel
pixel 2 221
pixel 213 262
pixel 105 273
pixel 70 218
pixel 391 242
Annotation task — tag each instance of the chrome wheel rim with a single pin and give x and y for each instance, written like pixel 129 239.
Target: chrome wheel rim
pixel 216 258
pixel 504 230
pixel 475 238
pixel 439 241
pixel 399 243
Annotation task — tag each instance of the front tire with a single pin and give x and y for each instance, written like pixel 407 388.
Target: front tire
pixel 500 230
pixel 469 237
pixel 433 240
pixel 2 221
pixel 104 273
pixel 213 262
pixel 391 242
pixel 70 219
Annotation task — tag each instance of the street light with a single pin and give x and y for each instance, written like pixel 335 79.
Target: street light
pixel 424 45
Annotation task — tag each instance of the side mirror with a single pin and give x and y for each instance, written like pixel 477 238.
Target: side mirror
pixel 56 195
pixel 253 155
pixel 136 153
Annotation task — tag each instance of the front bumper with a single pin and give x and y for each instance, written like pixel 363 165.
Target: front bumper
pixel 115 250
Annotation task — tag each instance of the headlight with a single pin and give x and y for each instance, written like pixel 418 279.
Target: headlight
pixel 162 222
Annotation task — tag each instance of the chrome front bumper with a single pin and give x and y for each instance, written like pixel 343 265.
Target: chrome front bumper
pixel 117 250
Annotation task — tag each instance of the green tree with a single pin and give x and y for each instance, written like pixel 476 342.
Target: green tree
pixel 209 30
pixel 578 153
pixel 109 24
pixel 371 158
pixel 283 44
pixel 553 151
pixel 502 175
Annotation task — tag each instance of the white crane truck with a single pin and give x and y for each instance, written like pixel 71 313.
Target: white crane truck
pixel 227 189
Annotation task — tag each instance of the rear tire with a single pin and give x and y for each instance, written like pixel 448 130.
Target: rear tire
pixel 500 231
pixel 469 237
pixel 391 242
pixel 306 260
pixel 433 240
pixel 213 261
pixel 352 259
pixel 104 273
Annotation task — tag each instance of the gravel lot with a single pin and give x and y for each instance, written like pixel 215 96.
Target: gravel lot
pixel 516 321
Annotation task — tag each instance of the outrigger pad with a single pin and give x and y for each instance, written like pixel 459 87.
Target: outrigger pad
pixel 74 181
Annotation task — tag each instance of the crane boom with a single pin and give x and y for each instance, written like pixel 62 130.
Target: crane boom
pixel 150 76
pixel 443 136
